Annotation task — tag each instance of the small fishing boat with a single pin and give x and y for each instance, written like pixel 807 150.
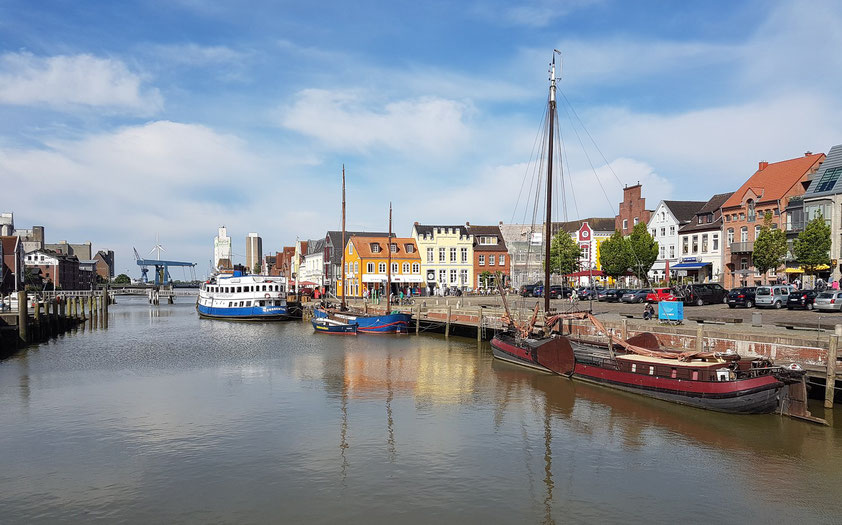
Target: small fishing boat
pixel 333 326
pixel 236 296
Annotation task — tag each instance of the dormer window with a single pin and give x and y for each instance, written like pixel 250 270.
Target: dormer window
pixel 375 247
pixel 394 247
pixel 410 248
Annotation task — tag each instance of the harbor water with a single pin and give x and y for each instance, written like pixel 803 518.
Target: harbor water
pixel 166 418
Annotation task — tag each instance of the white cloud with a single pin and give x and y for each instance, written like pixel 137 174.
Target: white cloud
pixel 535 13
pixel 71 82
pixel 192 54
pixel 348 122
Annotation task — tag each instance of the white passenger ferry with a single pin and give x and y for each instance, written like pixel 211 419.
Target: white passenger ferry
pixel 243 297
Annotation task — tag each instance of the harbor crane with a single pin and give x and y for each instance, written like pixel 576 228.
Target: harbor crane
pixel 162 272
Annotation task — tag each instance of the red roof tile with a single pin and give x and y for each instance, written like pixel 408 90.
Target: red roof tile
pixel 776 179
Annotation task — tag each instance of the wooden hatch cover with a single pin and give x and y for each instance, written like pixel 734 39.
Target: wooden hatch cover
pixel 556 354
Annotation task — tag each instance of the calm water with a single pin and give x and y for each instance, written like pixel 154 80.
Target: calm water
pixel 166 418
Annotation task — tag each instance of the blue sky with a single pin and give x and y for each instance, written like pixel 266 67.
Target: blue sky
pixel 122 120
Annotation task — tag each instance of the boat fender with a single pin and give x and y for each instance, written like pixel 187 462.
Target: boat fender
pixel 794 366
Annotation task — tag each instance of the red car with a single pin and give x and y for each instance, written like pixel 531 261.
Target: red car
pixel 660 294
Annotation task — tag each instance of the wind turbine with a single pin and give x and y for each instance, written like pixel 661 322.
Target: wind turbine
pixel 157 247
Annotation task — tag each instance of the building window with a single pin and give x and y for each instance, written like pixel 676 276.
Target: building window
pixel 381 268
pixel 744 234
pixel 375 247
pixel 501 260
pixel 695 244
pixel 672 251
pixel 416 268
pixel 685 245
pixel 730 236
pixel 356 267
pixel 715 242
pixel 463 277
pixel 750 207
pixel 727 218
pixel 491 260
pixel 441 254
pixel 636 220
pixel 442 276
pixel 829 179
pixel 410 248
pixel 663 231
pixel 742 216
pixel 394 247
pixel 756 232
pixel 482 260
pixel 406 267
pixel 672 230
pixel 464 255
pixel 350 248
pixel 654 232
pixel 625 224
pixel 453 255
pixel 369 267
pixel 429 255
pixel 662 252
pixel 705 243
pixel 453 276
pixel 743 264
pixel 394 268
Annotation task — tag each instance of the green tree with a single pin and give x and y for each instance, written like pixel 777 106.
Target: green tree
pixel 564 254
pixel 643 250
pixel 769 247
pixel 122 279
pixel 812 246
pixel 485 278
pixel 256 269
pixel 614 256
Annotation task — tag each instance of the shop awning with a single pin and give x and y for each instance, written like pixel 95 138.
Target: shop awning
pixel 406 279
pixel 820 267
pixel 689 266
pixel 587 273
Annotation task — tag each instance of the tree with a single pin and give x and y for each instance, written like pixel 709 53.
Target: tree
pixel 564 254
pixel 769 247
pixel 256 269
pixel 812 246
pixel 614 256
pixel 643 250
pixel 484 278
pixel 122 279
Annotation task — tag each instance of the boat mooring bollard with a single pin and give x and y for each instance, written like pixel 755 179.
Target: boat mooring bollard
pixel 23 318
pixel 447 325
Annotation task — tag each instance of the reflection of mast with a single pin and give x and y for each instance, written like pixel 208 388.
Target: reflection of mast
pixel 389 396
pixel 548 464
pixel 343 429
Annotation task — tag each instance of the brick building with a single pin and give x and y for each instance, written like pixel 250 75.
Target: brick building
pixel 105 264
pixel 11 264
pixel 632 210
pixel 62 271
pixel 490 255
pixel 768 190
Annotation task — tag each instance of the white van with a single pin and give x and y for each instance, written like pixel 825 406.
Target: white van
pixel 771 296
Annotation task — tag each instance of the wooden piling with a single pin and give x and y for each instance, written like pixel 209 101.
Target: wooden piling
pixel 23 319
pixel 624 329
pixel 39 328
pixel 447 325
pixel 479 325
pixel 105 306
pixel 418 320
pixel 700 338
pixel 830 379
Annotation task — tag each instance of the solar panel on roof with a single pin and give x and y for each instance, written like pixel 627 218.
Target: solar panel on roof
pixel 828 180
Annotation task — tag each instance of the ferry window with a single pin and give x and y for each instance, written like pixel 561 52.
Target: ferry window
pixel 674 373
pixel 264 287
pixel 651 370
pixel 248 303
pixel 239 289
pixel 229 304
pixel 634 367
pixel 695 375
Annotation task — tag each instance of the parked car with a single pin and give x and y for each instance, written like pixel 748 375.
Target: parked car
pixel 704 293
pixel 801 299
pixel 660 294
pixel 614 295
pixel 527 289
pixel 590 292
pixel 771 296
pixel 741 297
pixel 636 296
pixel 829 301
pixel 558 291
pixel 602 294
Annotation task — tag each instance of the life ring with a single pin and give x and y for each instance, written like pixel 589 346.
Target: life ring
pixel 267 295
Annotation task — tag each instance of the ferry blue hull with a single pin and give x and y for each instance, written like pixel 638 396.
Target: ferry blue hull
pixel 374 324
pixel 245 313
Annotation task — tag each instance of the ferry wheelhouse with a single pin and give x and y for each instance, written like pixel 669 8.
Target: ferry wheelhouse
pixel 243 297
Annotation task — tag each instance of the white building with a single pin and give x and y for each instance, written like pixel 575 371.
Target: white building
pixel 700 244
pixel 313 268
pixel 222 247
pixel 666 220
pixel 526 252
pixel 254 251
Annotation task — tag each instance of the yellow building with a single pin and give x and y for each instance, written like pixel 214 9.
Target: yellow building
pixel 447 255
pixel 366 261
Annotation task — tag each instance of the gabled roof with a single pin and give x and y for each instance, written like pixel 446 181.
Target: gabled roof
pixel 9 242
pixel 683 211
pixel 336 241
pixel 597 224
pixel 775 179
pixel 488 231
pixel 316 246
pixel 428 229
pixel 833 161
pixel 363 245
pixel 711 207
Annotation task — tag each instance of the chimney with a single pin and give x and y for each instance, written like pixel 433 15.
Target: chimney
pixel 762 165
pixel 416 223
pixel 467 223
pixel 808 153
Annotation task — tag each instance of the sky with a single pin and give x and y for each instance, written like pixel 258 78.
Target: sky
pixel 123 121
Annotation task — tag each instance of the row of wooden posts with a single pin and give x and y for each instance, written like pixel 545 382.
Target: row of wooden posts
pixel 59 315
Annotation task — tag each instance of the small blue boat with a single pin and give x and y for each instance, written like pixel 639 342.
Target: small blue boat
pixel 332 326
pixel 391 323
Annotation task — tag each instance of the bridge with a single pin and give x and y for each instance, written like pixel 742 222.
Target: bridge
pixel 162 268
